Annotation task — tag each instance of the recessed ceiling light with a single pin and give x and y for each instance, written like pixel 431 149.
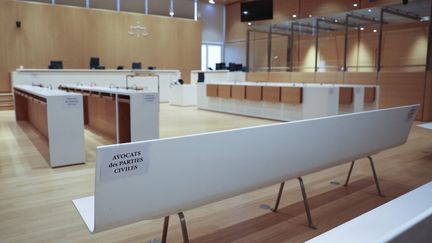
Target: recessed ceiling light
pixel 310 15
pixel 355 4
pixel 211 1
pixel 375 30
pixel 336 21
pixel 361 28
pixel 249 23
pixel 370 10
pixel 294 16
pixel 245 12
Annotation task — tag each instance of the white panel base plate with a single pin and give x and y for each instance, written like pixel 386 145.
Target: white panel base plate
pixel 85 207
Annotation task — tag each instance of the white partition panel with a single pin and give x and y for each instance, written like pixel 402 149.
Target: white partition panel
pixel 156 178
pixel 407 218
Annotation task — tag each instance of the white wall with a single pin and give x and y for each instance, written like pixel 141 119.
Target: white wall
pixel 212 17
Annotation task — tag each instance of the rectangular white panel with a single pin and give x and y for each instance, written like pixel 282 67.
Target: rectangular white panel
pixel 191 171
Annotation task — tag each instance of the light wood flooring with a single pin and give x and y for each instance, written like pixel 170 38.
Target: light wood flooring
pixel 36 200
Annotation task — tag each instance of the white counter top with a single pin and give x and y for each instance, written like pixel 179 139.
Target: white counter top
pixel 96 70
pixel 43 91
pixel 112 90
pixel 272 84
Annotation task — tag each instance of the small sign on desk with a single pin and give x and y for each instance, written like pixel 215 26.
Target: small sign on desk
pixel 119 163
pixel 71 102
pixel 150 98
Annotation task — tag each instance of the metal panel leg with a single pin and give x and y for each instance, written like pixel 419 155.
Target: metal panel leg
pixel 349 173
pixel 165 229
pixel 306 204
pixel 279 197
pixel 375 176
pixel 183 227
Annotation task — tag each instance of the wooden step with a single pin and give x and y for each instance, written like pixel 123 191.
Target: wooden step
pixel 6 101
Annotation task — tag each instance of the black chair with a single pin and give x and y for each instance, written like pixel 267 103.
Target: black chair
pixel 200 77
pixel 136 65
pixel 151 68
pixel 95 64
pixel 120 67
pixel 56 65
pixel 220 66
pixel 180 81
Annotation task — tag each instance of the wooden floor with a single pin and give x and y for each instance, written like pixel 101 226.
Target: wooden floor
pixel 36 201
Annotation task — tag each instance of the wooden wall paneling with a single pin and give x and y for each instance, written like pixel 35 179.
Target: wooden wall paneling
pixel 427 109
pixel 124 122
pixel 331 51
pixel 254 93
pixel 258 52
pixel 360 78
pixel 21 107
pixel 279 45
pixel 304 54
pixel 212 90
pixel 370 4
pixel 102 115
pixel 404 49
pixel 279 77
pixel 235 29
pixel 282 9
pixel 369 94
pixel 257 76
pixel 7 26
pixel 238 92
pixel 224 91
pixel 292 95
pixel 345 95
pixel 303 77
pixel 38 116
pixel 402 88
pixel 328 7
pixel 329 77
pixel 271 94
pixel 73 35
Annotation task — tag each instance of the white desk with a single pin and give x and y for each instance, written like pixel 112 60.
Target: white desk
pixel 286 101
pixel 407 218
pixel 218 76
pixel 125 115
pixel 183 95
pixel 58 116
pixel 56 77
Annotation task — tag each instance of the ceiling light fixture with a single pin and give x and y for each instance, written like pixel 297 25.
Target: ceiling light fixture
pixel 355 4
pixel 370 10
pixel 249 23
pixel 361 28
pixel 294 16
pixel 245 12
pixel 171 12
pixel 375 30
pixel 211 1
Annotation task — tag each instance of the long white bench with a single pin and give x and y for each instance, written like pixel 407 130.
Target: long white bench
pixel 158 178
pixel 407 218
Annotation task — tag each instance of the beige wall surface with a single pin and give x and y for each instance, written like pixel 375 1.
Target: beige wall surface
pixel 74 34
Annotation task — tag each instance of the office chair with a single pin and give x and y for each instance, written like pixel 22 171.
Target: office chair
pixel 136 65
pixel 55 64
